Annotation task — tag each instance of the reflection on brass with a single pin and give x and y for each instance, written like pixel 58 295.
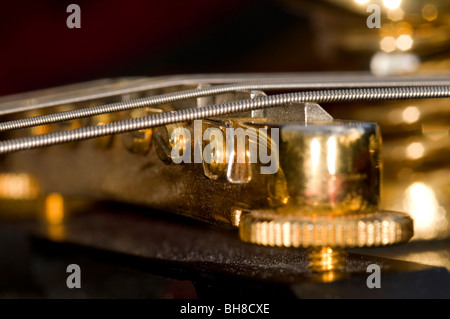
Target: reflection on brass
pixel 164 142
pixel 277 190
pixel 18 186
pixel 54 209
pixel 139 142
pixel 66 125
pixel 19 195
pixel 57 210
pixel 104 141
pixel 328 276
pixel 440 258
pixel 217 167
pixel 40 129
pixel 236 217
pixel 332 168
pixel 55 214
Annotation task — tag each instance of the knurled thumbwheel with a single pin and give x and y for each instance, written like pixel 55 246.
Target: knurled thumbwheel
pixel 339 231
pixel 325 236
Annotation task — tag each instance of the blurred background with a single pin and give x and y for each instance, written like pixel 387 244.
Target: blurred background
pixel 152 38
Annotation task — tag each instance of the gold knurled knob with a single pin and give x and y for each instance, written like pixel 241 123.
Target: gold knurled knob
pixel 340 231
pixel 325 236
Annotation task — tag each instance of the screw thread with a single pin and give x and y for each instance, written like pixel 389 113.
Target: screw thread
pixel 324 259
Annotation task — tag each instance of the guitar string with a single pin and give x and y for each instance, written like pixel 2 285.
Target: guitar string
pixel 320 96
pixel 214 90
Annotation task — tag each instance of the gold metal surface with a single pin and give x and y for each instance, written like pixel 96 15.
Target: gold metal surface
pixel 104 141
pixel 54 209
pixel 18 186
pixel 19 195
pixel 139 141
pixel 333 168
